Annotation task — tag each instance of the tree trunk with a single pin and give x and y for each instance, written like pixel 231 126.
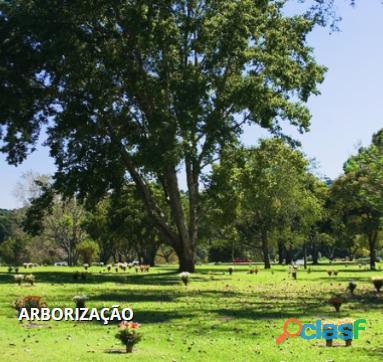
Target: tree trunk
pixel 289 254
pixel 314 253
pixel 69 259
pixel 184 238
pixel 280 252
pixel 187 264
pixel 304 255
pixel 372 246
pixel 105 256
pixel 148 253
pixel 265 250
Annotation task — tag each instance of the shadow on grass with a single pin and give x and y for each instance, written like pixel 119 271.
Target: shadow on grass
pixel 61 277
pixel 373 352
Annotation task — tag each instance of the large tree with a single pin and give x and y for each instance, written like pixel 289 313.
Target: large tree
pixel 142 88
pixel 358 194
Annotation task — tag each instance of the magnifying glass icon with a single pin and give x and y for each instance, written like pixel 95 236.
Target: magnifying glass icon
pixel 286 333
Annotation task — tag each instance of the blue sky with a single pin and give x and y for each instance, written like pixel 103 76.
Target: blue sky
pixel 346 114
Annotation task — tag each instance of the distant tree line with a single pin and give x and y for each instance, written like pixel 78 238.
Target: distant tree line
pixel 258 203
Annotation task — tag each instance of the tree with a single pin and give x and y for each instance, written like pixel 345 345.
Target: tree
pixel 97 224
pixel 88 250
pixel 57 219
pixel 264 191
pixel 5 224
pixel 31 187
pixel 358 194
pixel 147 87
pixel 132 226
pixel 13 251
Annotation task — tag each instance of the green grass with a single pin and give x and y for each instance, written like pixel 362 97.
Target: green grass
pixel 217 317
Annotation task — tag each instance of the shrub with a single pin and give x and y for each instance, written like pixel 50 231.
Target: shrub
pixel 10 269
pixel 128 335
pixel 185 276
pixel 30 278
pixel 230 270
pixel 18 278
pixel 86 266
pixel 76 275
pixel 109 267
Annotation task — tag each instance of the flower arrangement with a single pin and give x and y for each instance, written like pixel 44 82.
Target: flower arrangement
pixel 351 287
pixel 253 271
pixel 19 278
pixel 80 300
pixel 293 270
pixel 128 334
pixel 29 302
pixel 336 302
pixel 185 276
pixel 144 268
pixel 30 278
pixel 378 283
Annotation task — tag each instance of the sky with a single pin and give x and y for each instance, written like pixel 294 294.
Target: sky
pixel 344 116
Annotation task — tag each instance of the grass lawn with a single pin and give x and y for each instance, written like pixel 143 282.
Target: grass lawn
pixel 217 317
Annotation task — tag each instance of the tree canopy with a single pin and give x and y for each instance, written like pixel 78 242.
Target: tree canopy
pixel 265 190
pixel 142 88
pixel 358 194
